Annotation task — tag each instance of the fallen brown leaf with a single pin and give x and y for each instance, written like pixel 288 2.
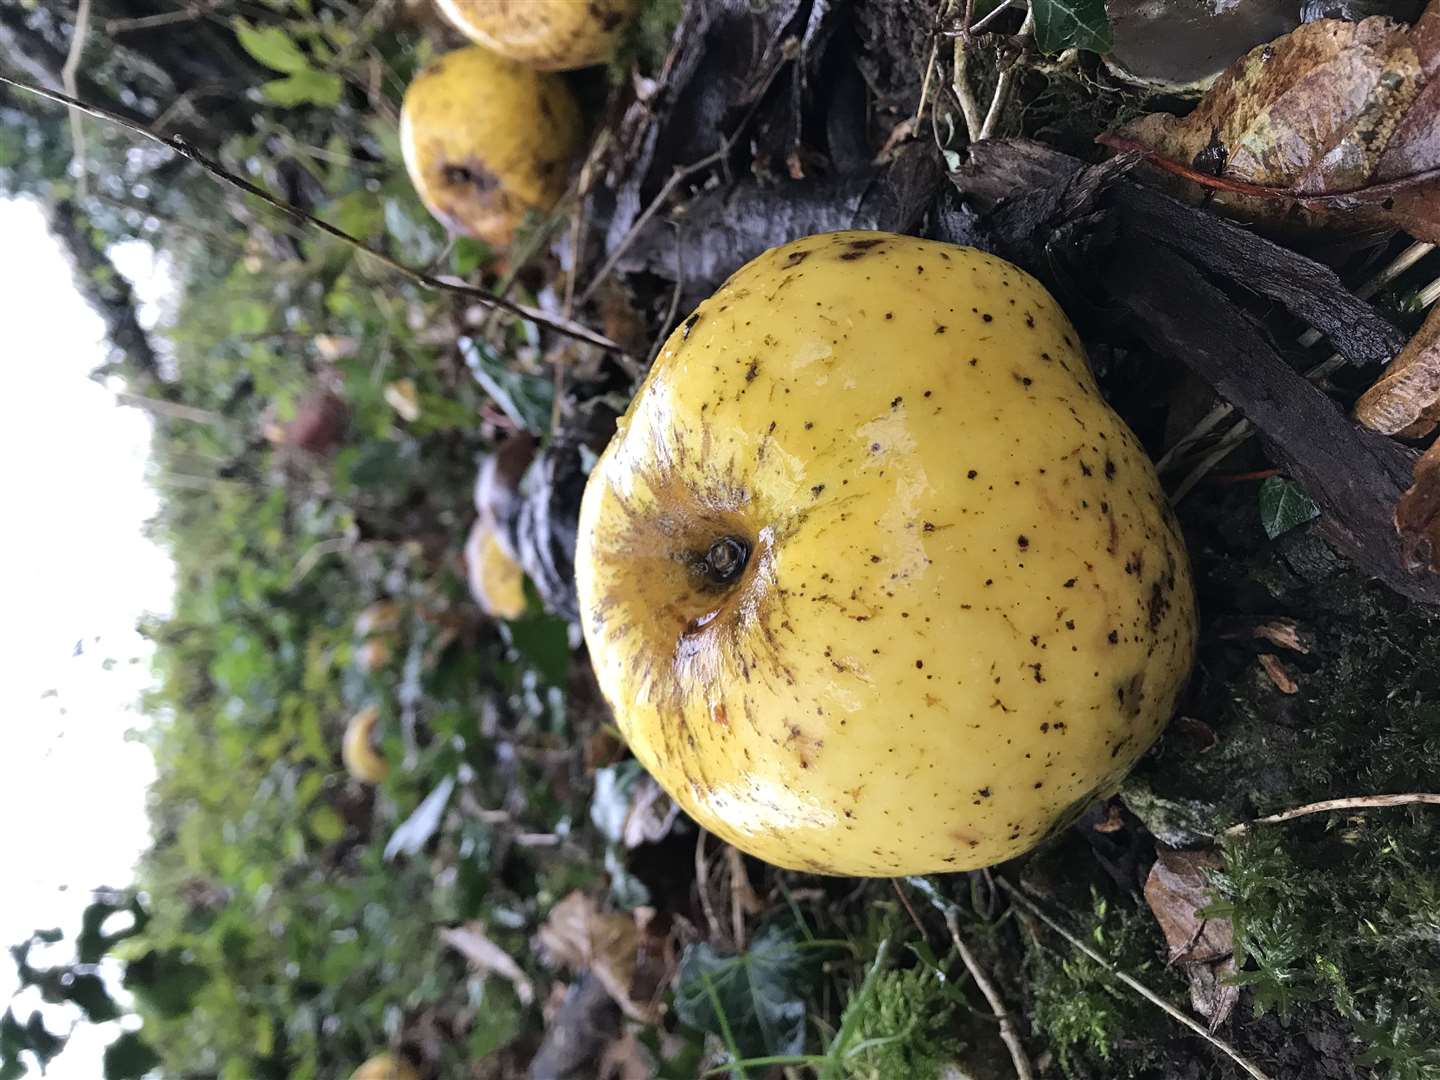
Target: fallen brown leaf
pixel 1403 398
pixel 629 954
pixel 1177 889
pixel 1335 123
pixel 1417 514
pixel 1281 632
pixel 471 942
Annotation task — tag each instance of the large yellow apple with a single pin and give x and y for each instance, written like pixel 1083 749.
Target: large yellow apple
pixel 549 35
pixel 874 580
pixel 385 1067
pixel 486 140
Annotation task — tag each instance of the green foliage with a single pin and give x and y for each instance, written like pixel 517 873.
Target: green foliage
pixel 753 1001
pixel 1080 1009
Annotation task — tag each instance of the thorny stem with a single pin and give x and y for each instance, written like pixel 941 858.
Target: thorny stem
pixel 1359 802
pixel 186 150
pixel 1140 988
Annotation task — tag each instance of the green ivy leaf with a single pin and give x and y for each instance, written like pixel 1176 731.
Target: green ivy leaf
pixel 1284 506
pixel 755 1000
pixel 526 399
pixel 272 46
pixel 308 87
pixel 129 1058
pixel 1067 24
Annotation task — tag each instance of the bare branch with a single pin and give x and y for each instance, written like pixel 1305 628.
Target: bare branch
pixel 190 152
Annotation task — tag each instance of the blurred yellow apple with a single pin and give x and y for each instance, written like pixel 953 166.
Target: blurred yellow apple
pixel 872 577
pixel 357 749
pixel 496 581
pixel 485 140
pixel 385 1067
pixel 549 35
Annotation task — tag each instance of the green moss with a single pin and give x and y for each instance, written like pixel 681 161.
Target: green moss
pixel 1090 1022
pixel 1345 910
pixel 906 1025
pixel 647 40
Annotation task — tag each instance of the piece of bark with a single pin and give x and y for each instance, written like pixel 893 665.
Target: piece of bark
pixel 721 230
pixel 1354 475
pixel 1410 387
pixel 1036 197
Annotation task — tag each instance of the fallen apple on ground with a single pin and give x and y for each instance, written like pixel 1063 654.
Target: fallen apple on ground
pixel 385 1067
pixel 486 140
pixel 545 36
pixel 357 748
pixel 872 577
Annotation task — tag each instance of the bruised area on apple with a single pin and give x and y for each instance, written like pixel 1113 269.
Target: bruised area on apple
pixel 951 602
pixel 486 140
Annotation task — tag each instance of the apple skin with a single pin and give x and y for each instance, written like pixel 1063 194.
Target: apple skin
pixel 553 36
pixel 966 608
pixel 385 1067
pixel 486 140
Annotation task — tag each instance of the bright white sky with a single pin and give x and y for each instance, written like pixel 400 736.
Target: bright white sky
pixel 79 573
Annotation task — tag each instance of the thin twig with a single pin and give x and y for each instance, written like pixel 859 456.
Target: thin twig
pixel 195 11
pixel 1007 77
pixel 1140 988
pixel 68 80
pixel 905 903
pixel 1008 1034
pixel 702 883
pixel 189 152
pixel 1000 9
pixel 1359 802
pixel 964 92
pixel 674 307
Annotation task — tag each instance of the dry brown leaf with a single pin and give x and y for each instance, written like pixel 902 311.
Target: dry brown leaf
pixel 1282 632
pixel 471 942
pixel 1417 514
pixel 1335 123
pixel 629 954
pixel 1176 890
pixel 1279 673
pixel 651 814
pixel 1410 387
pixel 626 1059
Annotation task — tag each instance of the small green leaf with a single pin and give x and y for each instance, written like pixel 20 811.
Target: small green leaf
pixel 1071 24
pixel 760 994
pixel 272 46
pixel 1284 506
pixel 308 87
pixel 468 256
pixel 129 1058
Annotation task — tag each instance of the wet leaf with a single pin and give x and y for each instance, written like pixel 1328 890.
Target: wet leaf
pixel 416 830
pixel 621 949
pixel 760 994
pixel 1332 124
pixel 1284 505
pixel 1071 24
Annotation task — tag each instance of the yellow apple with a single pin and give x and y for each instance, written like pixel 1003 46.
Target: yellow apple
pixel 496 581
pixel 486 140
pixel 385 1067
pixel 872 577
pixel 549 35
pixel 357 749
